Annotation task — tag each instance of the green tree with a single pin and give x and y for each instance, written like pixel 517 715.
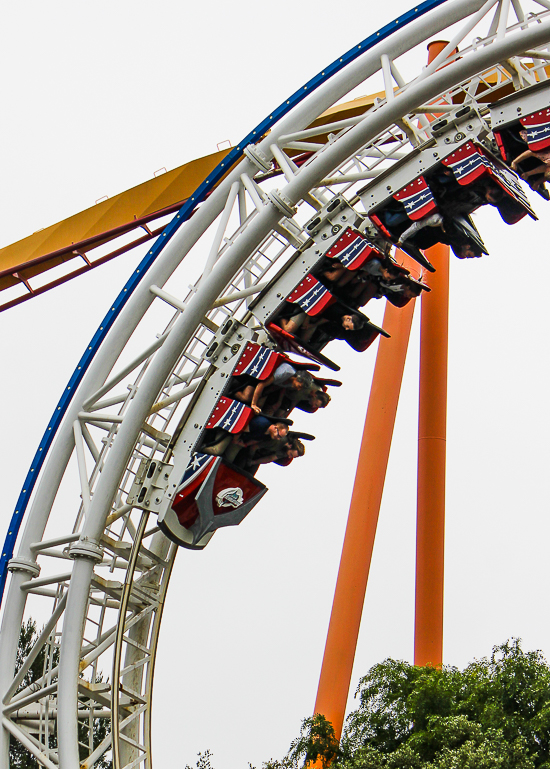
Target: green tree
pixel 20 758
pixel 495 714
pixel 203 761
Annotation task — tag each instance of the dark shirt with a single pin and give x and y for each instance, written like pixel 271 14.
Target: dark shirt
pixel 257 427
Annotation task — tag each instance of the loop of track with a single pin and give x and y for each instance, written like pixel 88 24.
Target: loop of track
pixel 105 600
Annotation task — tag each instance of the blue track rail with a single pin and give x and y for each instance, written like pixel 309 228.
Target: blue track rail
pixel 182 216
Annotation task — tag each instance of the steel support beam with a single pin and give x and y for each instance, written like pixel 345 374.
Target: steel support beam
pixel 356 557
pixel 432 423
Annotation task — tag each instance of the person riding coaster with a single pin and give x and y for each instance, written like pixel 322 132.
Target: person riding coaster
pixel 539 170
pixel 314 316
pixel 450 224
pixel 336 322
pixel 436 207
pixel 286 376
pixel 281 452
pixel 379 276
pixel 524 145
pixel 273 383
pixel 260 428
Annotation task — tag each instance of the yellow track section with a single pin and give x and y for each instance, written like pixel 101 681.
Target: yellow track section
pixel 78 235
pixel 102 221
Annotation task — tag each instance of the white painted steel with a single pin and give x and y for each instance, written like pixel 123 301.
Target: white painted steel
pixel 244 252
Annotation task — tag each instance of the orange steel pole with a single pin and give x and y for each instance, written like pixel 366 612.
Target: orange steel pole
pixel 432 423
pixel 351 584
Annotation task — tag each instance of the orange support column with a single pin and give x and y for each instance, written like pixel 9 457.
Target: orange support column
pixel 358 545
pixel 432 424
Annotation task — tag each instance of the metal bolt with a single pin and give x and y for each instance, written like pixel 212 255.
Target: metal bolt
pixel 196 426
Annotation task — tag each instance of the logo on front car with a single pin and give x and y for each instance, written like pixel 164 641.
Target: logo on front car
pixel 230 497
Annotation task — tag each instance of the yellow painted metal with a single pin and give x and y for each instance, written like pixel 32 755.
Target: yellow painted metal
pixel 39 252
pixel 122 209
pixel 152 196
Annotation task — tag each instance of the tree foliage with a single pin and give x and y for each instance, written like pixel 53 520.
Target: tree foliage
pixel 203 761
pixel 20 758
pixel 495 714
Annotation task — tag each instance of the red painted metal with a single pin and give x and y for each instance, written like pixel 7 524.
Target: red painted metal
pixel 75 273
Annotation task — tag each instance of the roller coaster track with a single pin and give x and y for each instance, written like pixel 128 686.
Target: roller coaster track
pixel 149 379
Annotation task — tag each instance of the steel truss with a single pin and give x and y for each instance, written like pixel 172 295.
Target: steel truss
pixel 102 576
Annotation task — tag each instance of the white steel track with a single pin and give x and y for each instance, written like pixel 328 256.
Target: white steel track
pixel 102 574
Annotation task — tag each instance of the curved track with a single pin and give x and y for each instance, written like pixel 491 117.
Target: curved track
pixel 103 573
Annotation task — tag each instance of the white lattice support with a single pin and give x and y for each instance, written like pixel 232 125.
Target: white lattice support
pixel 109 537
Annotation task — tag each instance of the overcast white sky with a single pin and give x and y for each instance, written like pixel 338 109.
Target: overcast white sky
pixel 97 97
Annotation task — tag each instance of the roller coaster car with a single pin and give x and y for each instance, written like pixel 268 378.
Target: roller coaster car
pixel 213 493
pixel 351 268
pixel 412 203
pixel 309 399
pixel 528 135
pixel 291 343
pixel 358 339
pixel 458 231
pixel 257 362
pixel 523 110
pixel 537 135
pixel 353 250
pixel 472 164
pixel 461 182
pixel 312 299
pixel 412 289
